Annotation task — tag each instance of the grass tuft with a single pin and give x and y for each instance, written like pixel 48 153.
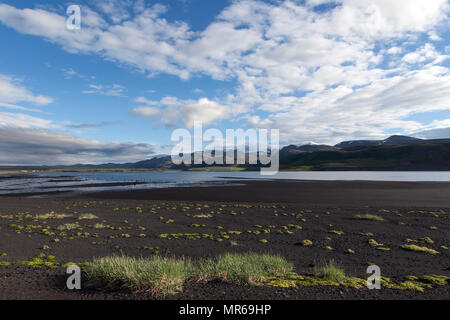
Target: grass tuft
pixel 246 268
pixel 53 215
pixel 157 275
pixel 331 271
pixel 369 217
pixel 306 243
pixel 87 216
pixel 161 276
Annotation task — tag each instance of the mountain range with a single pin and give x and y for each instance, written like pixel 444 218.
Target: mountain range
pixel 396 153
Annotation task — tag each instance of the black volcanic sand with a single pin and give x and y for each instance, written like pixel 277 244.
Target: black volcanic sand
pixel 315 193
pixel 409 210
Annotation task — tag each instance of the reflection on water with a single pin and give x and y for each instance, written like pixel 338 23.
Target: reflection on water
pixel 100 181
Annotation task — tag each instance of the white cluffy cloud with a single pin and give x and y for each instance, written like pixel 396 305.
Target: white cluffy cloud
pixel 115 90
pixel 12 91
pixel 354 71
pixel 202 110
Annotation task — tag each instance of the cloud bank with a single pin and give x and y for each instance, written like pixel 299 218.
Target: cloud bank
pixel 32 146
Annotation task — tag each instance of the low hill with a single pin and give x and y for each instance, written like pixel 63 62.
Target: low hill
pixel 426 155
pixel 392 140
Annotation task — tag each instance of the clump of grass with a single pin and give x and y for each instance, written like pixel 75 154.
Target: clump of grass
pixel 427 240
pixel 369 217
pixel 156 275
pixel 413 247
pixel 436 279
pixel 366 234
pixel 330 271
pixel 161 276
pixel 244 268
pixel 306 243
pixel 87 216
pixel 374 243
pixel 68 226
pixel 202 216
pixel 339 233
pixel 53 215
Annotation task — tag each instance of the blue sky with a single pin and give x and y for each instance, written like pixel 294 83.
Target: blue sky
pixel 316 70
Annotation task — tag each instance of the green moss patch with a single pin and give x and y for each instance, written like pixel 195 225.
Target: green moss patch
pixel 42 260
pixel 368 217
pixel 306 243
pixel 413 247
pixel 87 216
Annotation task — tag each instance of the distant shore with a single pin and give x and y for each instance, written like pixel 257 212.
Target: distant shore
pixel 404 168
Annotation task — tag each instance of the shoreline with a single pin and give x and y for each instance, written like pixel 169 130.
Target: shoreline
pixel 261 190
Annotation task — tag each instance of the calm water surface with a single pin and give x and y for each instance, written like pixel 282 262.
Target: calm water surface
pixel 76 181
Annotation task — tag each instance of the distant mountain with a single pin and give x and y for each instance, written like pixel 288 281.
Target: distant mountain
pixel 394 153
pixel 307 148
pixel 398 140
pixel 164 162
pixel 393 140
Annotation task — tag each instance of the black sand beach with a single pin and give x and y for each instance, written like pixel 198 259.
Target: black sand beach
pixel 315 193
pixel 285 213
